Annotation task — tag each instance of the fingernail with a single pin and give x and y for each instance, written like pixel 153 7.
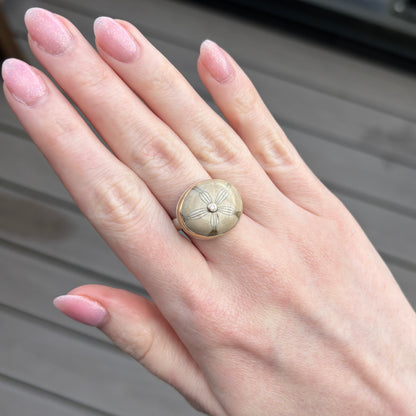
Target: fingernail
pixel 115 40
pixel 47 31
pixel 216 61
pixel 22 81
pixel 81 309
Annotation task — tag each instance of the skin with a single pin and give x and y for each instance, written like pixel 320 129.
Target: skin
pixel 291 313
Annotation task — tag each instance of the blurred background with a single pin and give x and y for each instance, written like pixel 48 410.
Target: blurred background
pixel 338 75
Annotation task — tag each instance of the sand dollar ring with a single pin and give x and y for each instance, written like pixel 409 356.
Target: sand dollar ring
pixel 208 209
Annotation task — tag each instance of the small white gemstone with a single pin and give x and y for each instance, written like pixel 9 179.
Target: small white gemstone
pixel 212 207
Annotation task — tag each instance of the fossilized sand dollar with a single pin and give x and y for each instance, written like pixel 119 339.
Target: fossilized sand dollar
pixel 209 209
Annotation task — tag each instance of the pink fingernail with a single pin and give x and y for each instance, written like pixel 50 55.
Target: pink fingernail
pixel 47 31
pixel 216 61
pixel 22 81
pixel 115 40
pixel 81 309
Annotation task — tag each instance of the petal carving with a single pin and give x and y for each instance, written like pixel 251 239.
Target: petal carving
pixel 204 195
pixel 226 210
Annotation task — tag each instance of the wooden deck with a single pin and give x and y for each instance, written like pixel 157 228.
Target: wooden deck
pixel 353 120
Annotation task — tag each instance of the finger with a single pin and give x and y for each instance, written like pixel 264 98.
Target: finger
pixel 113 198
pixel 138 328
pixel 135 134
pixel 242 106
pixel 219 150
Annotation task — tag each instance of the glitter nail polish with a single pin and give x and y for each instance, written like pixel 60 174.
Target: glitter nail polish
pixel 23 82
pixel 115 40
pixel 48 31
pixel 216 61
pixel 81 309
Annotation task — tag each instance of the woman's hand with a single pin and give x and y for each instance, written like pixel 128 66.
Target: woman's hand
pixel 291 313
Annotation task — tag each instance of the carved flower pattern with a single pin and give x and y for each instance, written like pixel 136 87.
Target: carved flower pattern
pixel 211 207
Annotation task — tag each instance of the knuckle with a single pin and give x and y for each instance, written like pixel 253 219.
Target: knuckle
pixel 138 340
pixel 140 344
pixel 218 147
pixel 158 151
pixel 246 107
pixel 118 204
pixel 273 150
pixel 213 141
pixel 163 81
pixel 245 101
pixel 65 129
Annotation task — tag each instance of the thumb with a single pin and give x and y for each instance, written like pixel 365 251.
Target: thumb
pixel 138 328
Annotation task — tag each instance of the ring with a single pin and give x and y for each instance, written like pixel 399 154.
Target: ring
pixel 208 209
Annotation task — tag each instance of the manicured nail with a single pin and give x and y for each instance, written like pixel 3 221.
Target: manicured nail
pixel 115 40
pixel 216 61
pixel 81 309
pixel 22 81
pixel 48 31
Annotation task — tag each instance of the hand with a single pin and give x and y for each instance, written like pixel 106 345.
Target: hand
pixel 291 313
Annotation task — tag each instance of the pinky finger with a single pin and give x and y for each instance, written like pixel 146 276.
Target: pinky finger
pixel 137 327
pixel 243 108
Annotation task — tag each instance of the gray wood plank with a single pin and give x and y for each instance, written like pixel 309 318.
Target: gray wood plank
pixel 335 116
pixel 30 283
pixel 58 233
pixel 17 399
pixel 83 371
pixel 22 163
pixel 391 233
pixel 335 119
pixel 340 166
